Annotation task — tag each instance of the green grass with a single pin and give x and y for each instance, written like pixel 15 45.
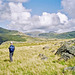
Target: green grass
pixel 27 62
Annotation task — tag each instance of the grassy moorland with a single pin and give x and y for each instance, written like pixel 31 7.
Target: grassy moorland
pixel 27 62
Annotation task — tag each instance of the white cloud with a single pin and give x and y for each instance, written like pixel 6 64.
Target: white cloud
pixel 20 19
pixel 4 11
pixel 63 17
pixel 18 12
pixel 49 19
pixel 69 7
pixel 0 3
pixel 45 23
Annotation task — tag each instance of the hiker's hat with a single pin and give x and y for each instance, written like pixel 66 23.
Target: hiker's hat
pixel 11 42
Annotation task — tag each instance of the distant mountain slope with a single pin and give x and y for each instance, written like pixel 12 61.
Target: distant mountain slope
pixel 5 31
pixel 33 34
pixel 66 35
pixel 10 35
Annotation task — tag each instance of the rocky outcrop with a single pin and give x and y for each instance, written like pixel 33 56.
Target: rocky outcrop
pixel 67 50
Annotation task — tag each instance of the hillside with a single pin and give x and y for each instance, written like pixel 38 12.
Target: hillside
pixel 27 59
pixel 12 35
pixel 33 34
pixel 5 31
pixel 66 35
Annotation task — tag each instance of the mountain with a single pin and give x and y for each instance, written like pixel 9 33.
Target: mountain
pixel 66 35
pixel 33 34
pixel 10 35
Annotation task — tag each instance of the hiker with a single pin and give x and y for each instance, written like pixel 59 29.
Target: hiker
pixel 11 51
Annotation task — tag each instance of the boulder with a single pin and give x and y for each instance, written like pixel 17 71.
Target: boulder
pixel 66 51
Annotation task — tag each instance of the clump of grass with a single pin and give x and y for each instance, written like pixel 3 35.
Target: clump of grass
pixel 62 62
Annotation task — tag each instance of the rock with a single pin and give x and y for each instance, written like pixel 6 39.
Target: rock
pixel 55 44
pixel 43 57
pixel 67 56
pixel 66 51
pixel 61 43
pixel 60 58
pixel 46 47
pixel 53 51
pixel 61 49
pixel 70 68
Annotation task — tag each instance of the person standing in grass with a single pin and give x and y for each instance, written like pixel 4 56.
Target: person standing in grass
pixel 11 51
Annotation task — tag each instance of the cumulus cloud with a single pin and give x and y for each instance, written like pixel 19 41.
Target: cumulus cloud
pixel 49 19
pixel 4 11
pixel 69 7
pixel 20 19
pixel 69 26
pixel 44 23
pixel 18 11
pixel 63 17
pixel 0 3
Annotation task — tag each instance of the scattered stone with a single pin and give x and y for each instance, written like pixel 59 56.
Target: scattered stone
pixel 46 47
pixel 70 68
pixel 43 57
pixel 53 51
pixel 55 44
pixel 60 58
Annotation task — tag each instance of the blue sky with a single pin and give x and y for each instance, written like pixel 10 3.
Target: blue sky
pixel 39 6
pixel 38 15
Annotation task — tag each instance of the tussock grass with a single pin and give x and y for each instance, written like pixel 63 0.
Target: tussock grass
pixel 27 62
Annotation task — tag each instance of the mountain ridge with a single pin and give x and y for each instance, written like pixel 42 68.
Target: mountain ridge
pixel 65 35
pixel 13 35
pixel 10 35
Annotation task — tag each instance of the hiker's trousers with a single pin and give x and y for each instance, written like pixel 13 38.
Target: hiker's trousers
pixel 11 55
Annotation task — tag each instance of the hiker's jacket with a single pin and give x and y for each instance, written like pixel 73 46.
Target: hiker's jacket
pixel 11 48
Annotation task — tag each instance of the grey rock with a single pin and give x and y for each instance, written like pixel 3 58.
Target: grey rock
pixel 66 51
pixel 70 68
pixel 46 47
pixel 43 57
pixel 53 51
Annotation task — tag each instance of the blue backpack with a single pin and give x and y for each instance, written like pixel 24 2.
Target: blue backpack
pixel 11 48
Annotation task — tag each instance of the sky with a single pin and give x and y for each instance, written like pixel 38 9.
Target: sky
pixel 38 15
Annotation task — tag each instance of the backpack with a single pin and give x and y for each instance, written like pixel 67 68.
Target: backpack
pixel 11 48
